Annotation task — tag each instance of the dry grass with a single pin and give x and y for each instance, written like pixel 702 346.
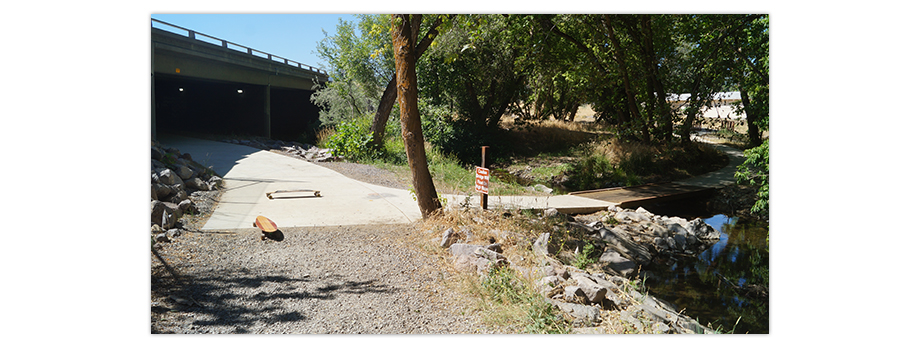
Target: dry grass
pixel 507 300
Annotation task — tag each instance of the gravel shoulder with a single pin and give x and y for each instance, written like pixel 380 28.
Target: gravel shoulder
pixel 346 279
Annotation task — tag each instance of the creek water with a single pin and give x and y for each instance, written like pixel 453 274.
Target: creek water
pixel 725 286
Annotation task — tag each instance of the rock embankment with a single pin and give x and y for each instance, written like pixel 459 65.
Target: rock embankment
pixel 297 150
pixel 178 185
pixel 602 296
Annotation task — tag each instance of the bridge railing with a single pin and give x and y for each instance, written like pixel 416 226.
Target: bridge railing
pixel 237 47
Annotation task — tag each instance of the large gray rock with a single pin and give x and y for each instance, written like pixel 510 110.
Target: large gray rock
pixel 631 216
pixel 161 190
pixel 447 238
pixel 541 245
pixel 196 183
pixel 177 196
pixel 155 153
pixel 185 205
pixel 701 230
pixel 592 291
pixel 574 294
pixel 184 172
pixel 168 177
pixel 583 314
pixel 618 239
pixel 215 182
pixel 617 263
pixel 475 250
pixel 164 214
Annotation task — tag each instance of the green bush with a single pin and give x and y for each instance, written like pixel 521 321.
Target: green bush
pixel 595 171
pixel 353 140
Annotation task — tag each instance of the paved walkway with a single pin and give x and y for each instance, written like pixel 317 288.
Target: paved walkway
pixel 250 173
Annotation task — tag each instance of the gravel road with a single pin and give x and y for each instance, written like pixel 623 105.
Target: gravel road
pixel 346 279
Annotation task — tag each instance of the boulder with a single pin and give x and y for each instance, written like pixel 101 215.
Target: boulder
pixel 617 263
pixel 630 216
pixel 164 214
pixel 475 250
pixel 447 238
pixel 551 212
pixel 472 264
pixel 184 172
pixel 583 314
pixel 162 237
pixel 155 153
pixel 592 291
pixel 185 205
pixel 541 245
pixel 701 230
pixel 168 177
pixel 177 196
pixel 574 294
pixel 161 190
pixel 215 182
pixel 618 239
pixel 196 183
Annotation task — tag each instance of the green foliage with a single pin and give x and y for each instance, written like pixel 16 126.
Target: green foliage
pixel 595 171
pixel 341 100
pixel 755 171
pixel 353 140
pixel 585 257
pixel 502 288
pixel 476 68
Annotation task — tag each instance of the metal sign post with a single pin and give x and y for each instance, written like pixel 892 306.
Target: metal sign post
pixel 482 178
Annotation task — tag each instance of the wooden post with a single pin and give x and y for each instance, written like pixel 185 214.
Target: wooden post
pixel 484 163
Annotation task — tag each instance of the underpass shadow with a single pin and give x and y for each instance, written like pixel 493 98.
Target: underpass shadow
pixel 221 156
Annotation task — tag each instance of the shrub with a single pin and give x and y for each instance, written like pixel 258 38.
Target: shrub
pixel 353 140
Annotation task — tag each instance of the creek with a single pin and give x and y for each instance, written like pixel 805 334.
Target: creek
pixel 725 286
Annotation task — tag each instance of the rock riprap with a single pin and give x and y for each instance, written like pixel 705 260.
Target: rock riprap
pixel 619 241
pixel 297 150
pixel 175 179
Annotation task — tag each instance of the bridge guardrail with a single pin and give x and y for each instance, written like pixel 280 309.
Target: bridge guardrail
pixel 230 45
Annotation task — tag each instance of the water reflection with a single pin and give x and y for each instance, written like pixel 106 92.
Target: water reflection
pixel 726 282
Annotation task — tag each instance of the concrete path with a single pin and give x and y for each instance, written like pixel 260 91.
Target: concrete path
pixel 250 173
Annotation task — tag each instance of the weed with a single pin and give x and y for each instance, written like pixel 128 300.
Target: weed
pixel 584 259
pixel 507 299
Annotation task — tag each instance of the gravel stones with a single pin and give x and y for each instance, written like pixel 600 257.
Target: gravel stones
pixel 354 279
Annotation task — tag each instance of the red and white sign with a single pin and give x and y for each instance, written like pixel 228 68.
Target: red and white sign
pixel 482 177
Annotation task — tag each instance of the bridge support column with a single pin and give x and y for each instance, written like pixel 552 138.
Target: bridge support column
pixel 267 112
pixel 152 95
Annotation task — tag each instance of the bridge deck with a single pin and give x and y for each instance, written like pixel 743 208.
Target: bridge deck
pixel 631 197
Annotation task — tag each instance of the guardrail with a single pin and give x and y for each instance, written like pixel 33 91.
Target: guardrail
pixel 230 45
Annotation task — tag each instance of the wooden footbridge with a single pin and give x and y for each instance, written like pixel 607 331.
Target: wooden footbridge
pixel 631 197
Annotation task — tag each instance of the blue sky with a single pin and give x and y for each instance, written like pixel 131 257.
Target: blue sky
pixel 292 36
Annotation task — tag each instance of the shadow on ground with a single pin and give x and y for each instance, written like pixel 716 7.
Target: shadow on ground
pixel 242 298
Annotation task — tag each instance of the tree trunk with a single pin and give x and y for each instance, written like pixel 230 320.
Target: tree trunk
pixel 389 96
pixel 654 84
pixel 410 122
pixel 629 92
pixel 752 128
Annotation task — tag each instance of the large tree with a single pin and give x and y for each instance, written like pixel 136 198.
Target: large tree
pixel 404 30
pixel 389 95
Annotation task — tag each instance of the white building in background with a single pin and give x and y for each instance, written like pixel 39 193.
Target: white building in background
pixel 722 105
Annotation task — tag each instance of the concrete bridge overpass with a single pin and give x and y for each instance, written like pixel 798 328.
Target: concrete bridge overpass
pixel 200 83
